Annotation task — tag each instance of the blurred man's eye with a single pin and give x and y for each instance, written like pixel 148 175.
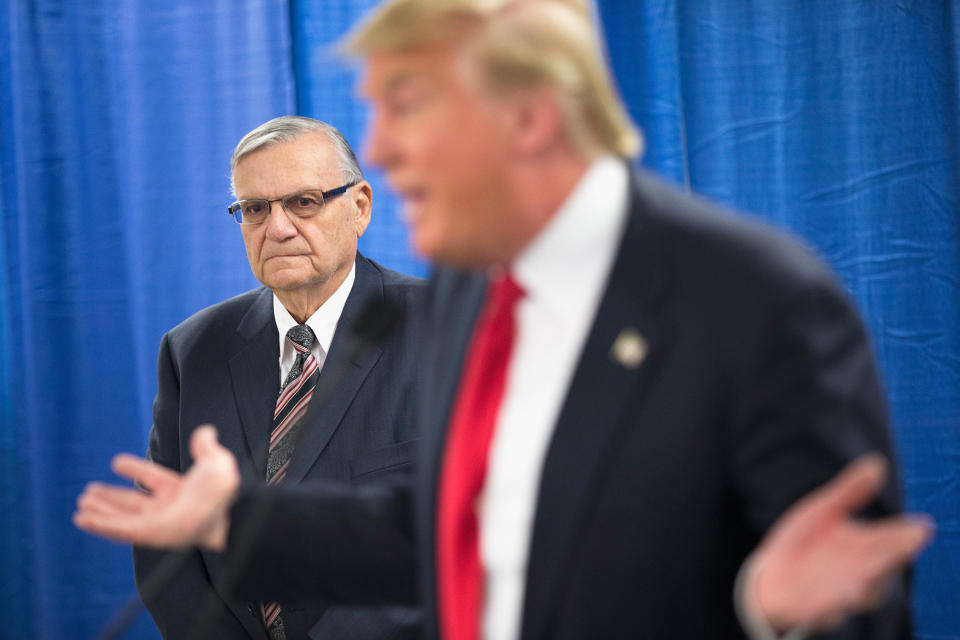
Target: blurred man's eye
pixel 403 106
pixel 409 98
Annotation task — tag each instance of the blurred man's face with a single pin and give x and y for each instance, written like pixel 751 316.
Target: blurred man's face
pixel 444 147
pixel 288 253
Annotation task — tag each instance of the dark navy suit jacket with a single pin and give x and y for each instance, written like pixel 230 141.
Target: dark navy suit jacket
pixel 757 385
pixel 220 366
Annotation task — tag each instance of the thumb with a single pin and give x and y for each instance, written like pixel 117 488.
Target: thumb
pixel 855 486
pixel 203 442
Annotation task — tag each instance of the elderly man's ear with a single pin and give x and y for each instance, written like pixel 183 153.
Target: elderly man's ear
pixel 363 199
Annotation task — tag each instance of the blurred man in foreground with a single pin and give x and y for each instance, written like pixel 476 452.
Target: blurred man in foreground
pixel 624 389
pixel 274 370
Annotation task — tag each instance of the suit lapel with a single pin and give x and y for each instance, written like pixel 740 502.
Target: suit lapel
pixel 342 375
pixel 255 375
pixel 457 299
pixel 608 386
pixel 466 298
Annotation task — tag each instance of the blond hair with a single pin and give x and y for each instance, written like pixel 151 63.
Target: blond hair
pixel 517 44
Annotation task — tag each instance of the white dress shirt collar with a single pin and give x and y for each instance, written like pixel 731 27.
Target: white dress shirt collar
pixel 323 322
pixel 573 253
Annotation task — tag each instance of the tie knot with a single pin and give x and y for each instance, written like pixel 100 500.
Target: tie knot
pixel 504 294
pixel 302 336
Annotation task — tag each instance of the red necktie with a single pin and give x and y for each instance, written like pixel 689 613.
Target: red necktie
pixel 474 415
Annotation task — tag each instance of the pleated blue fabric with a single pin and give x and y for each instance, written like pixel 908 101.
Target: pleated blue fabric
pixel 834 120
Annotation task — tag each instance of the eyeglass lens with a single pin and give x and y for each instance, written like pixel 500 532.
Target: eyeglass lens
pixel 303 205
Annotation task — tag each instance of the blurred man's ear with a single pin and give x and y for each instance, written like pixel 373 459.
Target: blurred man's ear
pixel 536 120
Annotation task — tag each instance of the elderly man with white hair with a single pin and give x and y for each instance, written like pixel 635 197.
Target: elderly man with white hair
pixel 274 369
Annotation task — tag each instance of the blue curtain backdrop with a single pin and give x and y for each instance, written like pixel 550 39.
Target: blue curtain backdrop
pixel 837 120
pixel 117 120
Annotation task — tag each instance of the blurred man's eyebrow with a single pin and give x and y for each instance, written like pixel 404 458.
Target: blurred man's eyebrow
pixel 394 82
pixel 400 80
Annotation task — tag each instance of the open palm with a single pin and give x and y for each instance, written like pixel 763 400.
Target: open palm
pixel 176 510
pixel 819 564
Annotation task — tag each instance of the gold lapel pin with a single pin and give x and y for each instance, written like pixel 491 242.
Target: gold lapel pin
pixel 629 349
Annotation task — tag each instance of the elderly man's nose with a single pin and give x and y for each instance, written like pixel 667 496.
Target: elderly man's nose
pixel 278 222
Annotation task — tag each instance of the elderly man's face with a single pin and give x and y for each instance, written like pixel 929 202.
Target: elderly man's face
pixel 288 253
pixel 444 147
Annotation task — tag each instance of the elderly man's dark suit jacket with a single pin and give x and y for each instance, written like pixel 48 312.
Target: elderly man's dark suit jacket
pixel 757 385
pixel 221 367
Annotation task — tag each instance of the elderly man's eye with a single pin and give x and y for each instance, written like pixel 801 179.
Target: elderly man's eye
pixel 304 204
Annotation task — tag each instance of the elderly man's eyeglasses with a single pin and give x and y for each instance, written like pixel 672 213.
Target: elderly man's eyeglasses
pixel 302 204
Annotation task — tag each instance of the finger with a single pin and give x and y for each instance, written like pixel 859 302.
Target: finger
pixel 852 489
pixel 899 534
pixel 832 620
pixel 871 585
pixel 106 526
pixel 830 604
pixel 90 502
pixel 877 594
pixel 149 474
pixel 136 529
pixel 204 442
pixel 119 498
pixel 890 544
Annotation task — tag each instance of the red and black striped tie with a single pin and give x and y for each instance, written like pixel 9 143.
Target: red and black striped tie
pixel 295 394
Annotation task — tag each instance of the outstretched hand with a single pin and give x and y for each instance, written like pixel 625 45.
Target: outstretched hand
pixel 818 564
pixel 179 510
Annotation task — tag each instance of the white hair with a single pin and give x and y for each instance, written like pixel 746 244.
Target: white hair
pixel 287 128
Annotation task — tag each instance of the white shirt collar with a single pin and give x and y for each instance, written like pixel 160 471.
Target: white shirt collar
pixel 324 320
pixel 568 261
